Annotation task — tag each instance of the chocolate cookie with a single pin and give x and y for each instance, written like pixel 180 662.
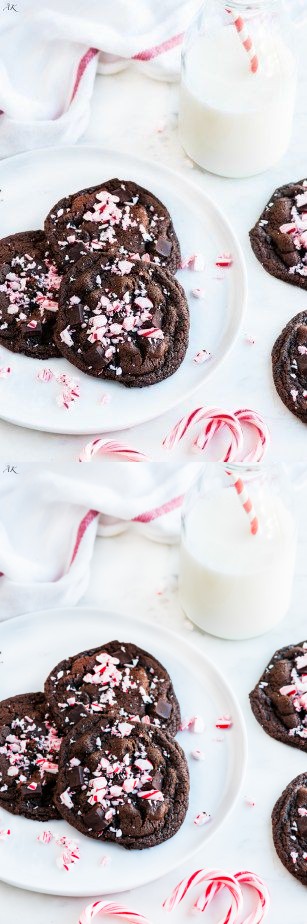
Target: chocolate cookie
pixel 29 285
pixel 121 781
pixel 279 701
pixel 29 746
pixel 279 239
pixel 289 825
pixel 122 320
pixel 116 676
pixel 116 215
pixel 289 365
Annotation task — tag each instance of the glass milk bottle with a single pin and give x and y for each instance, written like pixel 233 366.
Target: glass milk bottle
pixel 238 84
pixel 236 567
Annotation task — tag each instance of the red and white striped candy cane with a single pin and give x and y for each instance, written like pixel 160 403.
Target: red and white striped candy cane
pixel 216 880
pixel 254 420
pixel 110 448
pixel 248 879
pixel 245 39
pixel 181 427
pixel 263 896
pixel 216 419
pixel 113 909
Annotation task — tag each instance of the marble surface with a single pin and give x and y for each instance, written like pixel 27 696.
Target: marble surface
pixel 126 111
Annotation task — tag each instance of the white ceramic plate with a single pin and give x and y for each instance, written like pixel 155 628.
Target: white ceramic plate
pixel 30 646
pixel 30 184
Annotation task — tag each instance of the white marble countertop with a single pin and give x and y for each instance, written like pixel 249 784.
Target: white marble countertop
pixel 125 113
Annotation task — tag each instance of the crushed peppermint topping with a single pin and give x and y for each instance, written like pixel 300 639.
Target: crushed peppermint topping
pixel 202 819
pixel 28 295
pixel 28 749
pixel 201 357
pixel 105 680
pixel 224 260
pixel 224 722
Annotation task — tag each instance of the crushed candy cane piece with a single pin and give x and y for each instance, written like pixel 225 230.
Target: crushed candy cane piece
pixel 104 861
pixel 225 721
pixel 250 339
pixel 4 833
pixel 195 262
pixel 45 837
pixel 202 819
pixel 198 293
pixel 198 754
pixel 250 802
pixel 5 371
pixel 224 260
pixel 67 859
pixel 104 399
pixel 153 795
pixel 201 356
pixel 64 379
pixel 65 798
pixel 68 396
pixel 194 723
pixel 45 375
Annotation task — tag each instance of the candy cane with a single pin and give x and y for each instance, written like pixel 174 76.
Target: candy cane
pixel 263 896
pixel 246 878
pixel 245 39
pixel 110 448
pixel 253 419
pixel 216 880
pixel 216 420
pixel 111 908
pixel 181 427
pixel 221 418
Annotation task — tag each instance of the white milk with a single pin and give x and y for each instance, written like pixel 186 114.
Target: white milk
pixel 233 122
pixel 233 584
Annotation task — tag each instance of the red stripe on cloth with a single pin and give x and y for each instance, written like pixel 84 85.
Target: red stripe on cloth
pixel 150 53
pixel 159 511
pixel 83 526
pixel 83 63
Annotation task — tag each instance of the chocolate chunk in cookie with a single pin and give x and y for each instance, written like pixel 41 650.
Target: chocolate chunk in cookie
pixel 289 825
pixel 122 320
pixel 29 746
pixel 29 288
pixel 279 239
pixel 116 215
pixel 289 365
pixel 279 701
pixel 135 782
pixel 116 676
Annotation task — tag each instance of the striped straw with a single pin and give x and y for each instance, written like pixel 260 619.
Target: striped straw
pixel 245 39
pixel 246 502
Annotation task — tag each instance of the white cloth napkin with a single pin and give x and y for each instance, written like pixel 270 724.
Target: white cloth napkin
pixel 49 521
pixel 49 55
